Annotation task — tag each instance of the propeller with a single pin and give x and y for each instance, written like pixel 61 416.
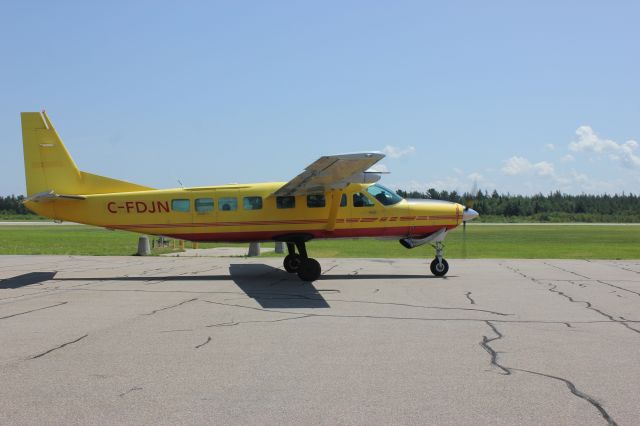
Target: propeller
pixel 468 214
pixel 468 205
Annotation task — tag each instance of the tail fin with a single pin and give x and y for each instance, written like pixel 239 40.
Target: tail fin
pixel 49 167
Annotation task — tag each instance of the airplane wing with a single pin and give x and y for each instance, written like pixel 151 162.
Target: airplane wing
pixel 333 172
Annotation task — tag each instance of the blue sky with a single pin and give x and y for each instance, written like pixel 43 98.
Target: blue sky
pixel 521 97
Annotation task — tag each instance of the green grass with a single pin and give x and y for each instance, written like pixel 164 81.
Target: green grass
pixel 71 240
pixel 503 241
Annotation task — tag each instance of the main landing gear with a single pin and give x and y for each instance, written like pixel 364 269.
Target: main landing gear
pixel 308 269
pixel 439 266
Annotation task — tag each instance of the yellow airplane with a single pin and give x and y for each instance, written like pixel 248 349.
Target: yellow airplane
pixel 335 197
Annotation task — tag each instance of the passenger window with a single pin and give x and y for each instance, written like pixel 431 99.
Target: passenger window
pixel 343 200
pixel 361 200
pixel 204 205
pixel 180 205
pixel 252 203
pixel 228 204
pixel 286 202
pixel 315 200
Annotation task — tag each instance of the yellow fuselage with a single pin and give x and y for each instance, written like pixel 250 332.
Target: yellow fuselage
pixel 200 214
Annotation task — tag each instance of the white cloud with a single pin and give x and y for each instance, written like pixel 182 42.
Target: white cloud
pixel 550 146
pixel 544 168
pixel 567 158
pixel 397 152
pixel 589 141
pixel 520 166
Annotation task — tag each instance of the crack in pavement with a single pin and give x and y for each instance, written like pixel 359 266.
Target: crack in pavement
pixel 574 390
pixel 123 394
pixel 58 347
pixel 295 296
pixel 552 288
pixel 588 305
pixel 617 266
pixel 329 270
pixel 233 323
pixel 254 308
pixel 33 310
pixel 494 355
pixel 618 287
pixel 172 306
pixel 566 270
pixel 507 371
pixel 468 294
pixel 202 344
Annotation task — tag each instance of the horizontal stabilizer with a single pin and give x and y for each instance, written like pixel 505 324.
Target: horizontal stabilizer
pixel 46 196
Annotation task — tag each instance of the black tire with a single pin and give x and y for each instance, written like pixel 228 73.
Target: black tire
pixel 292 263
pixel 309 270
pixel 439 269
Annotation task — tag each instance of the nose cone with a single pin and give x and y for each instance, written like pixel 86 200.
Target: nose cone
pixel 469 214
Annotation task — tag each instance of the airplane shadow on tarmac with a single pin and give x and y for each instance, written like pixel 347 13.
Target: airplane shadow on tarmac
pixel 272 288
pixel 26 279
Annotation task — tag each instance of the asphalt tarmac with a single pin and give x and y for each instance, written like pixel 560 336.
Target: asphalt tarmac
pixel 126 340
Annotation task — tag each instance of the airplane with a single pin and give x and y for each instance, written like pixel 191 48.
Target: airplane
pixel 336 196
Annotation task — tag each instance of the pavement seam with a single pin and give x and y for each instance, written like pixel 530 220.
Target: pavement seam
pixel 33 310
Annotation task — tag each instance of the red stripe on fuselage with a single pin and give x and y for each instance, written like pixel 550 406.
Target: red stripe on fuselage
pixel 249 236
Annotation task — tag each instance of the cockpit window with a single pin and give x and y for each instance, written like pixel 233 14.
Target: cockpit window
pixel 384 195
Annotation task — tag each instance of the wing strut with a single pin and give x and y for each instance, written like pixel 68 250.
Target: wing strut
pixel 336 196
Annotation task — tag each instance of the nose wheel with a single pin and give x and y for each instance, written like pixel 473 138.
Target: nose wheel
pixel 308 269
pixel 439 266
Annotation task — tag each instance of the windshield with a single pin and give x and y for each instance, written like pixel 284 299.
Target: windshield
pixel 386 196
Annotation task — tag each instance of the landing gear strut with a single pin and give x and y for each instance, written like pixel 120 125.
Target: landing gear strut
pixel 308 269
pixel 439 266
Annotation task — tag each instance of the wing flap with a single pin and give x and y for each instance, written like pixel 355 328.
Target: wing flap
pixel 333 172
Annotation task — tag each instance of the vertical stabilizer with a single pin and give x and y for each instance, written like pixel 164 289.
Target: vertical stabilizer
pixel 48 165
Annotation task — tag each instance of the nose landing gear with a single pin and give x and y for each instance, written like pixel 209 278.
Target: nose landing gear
pixel 439 266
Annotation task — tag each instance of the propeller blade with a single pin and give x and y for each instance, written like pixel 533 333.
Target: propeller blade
pixel 471 196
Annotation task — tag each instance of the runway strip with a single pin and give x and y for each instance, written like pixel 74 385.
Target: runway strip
pixel 88 340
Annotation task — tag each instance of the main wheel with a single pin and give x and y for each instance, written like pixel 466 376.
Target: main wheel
pixel 439 269
pixel 292 262
pixel 309 270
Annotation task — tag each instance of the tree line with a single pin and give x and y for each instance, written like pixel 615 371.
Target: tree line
pixel 12 205
pixel 552 207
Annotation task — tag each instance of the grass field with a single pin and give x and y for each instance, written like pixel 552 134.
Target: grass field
pixel 485 241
